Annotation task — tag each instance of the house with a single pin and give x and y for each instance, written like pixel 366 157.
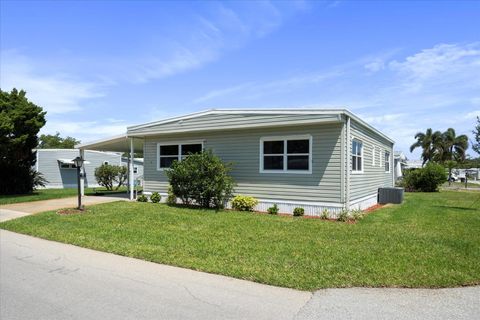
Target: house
pixel 58 169
pixel 314 158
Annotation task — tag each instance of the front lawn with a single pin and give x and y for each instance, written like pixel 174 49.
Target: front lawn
pixel 432 240
pixel 47 194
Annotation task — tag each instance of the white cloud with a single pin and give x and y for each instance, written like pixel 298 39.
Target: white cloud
pixel 472 114
pixel 56 93
pixel 84 130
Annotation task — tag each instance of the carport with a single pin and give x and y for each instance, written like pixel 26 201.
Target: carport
pixel 120 143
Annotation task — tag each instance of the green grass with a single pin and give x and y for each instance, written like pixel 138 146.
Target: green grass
pixel 462 185
pixel 432 240
pixel 46 194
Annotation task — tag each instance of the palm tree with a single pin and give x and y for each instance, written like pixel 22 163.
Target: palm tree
pixel 429 142
pixel 452 147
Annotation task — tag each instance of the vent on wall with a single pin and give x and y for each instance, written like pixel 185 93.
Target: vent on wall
pixel 390 195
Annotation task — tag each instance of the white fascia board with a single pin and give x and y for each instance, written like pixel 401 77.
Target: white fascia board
pixel 100 141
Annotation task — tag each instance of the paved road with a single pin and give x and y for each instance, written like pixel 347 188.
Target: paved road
pixel 16 210
pixel 41 279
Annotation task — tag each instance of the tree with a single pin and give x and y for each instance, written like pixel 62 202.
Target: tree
pixel 20 122
pixel 476 132
pixel 108 175
pixel 203 179
pixel 451 147
pixel 429 142
pixel 54 141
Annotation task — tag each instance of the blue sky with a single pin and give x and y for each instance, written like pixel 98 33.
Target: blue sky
pixel 97 67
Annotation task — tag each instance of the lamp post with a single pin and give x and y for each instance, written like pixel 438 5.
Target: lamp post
pixel 78 161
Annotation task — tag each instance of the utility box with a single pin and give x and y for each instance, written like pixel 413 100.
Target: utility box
pixel 390 195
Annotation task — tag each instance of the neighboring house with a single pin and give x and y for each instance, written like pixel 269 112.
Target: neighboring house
pixel 414 164
pixel 57 166
pixel 137 169
pixel 400 162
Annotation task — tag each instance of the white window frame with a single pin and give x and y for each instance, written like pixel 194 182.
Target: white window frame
pixel 70 166
pixel 285 154
pixel 361 156
pixel 106 162
pixel 387 160
pixel 179 143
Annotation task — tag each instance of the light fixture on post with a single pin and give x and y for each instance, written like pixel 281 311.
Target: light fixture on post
pixel 78 162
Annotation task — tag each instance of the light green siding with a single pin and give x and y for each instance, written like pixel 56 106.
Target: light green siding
pixel 373 176
pixel 242 147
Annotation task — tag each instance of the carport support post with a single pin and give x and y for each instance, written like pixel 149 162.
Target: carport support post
pixel 82 175
pixel 130 169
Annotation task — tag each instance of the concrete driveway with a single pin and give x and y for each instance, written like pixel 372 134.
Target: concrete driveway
pixel 16 210
pixel 42 279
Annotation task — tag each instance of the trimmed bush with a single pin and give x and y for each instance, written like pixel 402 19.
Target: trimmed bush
pixel 108 175
pixel 155 197
pixel 202 179
pixel 356 215
pixel 273 209
pixel 298 212
pixel 244 203
pixel 426 179
pixel 142 198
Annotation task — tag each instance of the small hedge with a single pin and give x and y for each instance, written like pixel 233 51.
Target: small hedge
pixel 244 203
pixel 426 179
pixel 297 212
pixel 142 198
pixel 155 197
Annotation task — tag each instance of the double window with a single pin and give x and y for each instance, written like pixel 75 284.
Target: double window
pixel 67 166
pixel 286 154
pixel 357 156
pixel 387 161
pixel 168 153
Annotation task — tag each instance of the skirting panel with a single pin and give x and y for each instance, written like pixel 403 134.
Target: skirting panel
pixel 364 203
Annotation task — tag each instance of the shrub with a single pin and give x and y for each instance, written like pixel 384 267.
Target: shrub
pixel 142 198
pixel 356 215
pixel 244 203
pixel 155 197
pixel 171 198
pixel 343 216
pixel 201 178
pixel 273 209
pixel 108 175
pixel 426 179
pixel 325 214
pixel 297 212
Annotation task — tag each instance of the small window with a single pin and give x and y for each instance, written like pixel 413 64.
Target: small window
pixel 286 155
pixel 169 153
pixel 387 161
pixel 106 162
pixel 67 166
pixel 135 169
pixel 357 156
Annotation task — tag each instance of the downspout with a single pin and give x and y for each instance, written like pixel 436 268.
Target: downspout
pixel 347 165
pixel 130 169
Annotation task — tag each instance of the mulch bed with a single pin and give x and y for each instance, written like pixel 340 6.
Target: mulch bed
pixel 71 211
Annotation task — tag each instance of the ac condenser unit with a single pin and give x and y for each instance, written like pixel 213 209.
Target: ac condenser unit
pixel 390 195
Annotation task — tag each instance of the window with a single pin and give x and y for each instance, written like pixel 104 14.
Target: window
pixel 67 166
pixel 168 153
pixel 135 169
pixel 286 154
pixel 105 162
pixel 357 156
pixel 387 161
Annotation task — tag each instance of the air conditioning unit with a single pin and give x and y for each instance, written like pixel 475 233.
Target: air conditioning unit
pixel 390 195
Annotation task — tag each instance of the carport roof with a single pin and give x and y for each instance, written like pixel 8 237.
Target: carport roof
pixel 120 143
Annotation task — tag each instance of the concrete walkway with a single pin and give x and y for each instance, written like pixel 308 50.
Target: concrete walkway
pixel 16 210
pixel 42 279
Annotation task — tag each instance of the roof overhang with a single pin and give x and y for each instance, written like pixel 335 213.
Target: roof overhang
pixel 119 143
pixel 69 161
